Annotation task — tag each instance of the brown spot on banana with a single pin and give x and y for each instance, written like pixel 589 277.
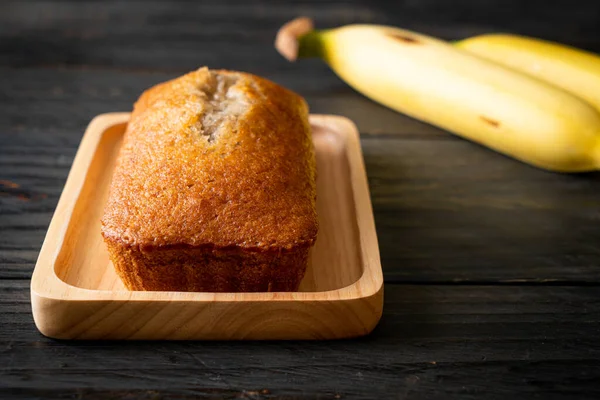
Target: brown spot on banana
pixel 404 38
pixel 490 121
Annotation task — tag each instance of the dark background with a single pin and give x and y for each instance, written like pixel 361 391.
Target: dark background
pixel 492 267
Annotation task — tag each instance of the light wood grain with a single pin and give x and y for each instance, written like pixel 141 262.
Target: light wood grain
pixel 76 293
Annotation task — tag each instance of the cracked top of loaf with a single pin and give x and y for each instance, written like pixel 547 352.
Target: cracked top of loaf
pixel 215 158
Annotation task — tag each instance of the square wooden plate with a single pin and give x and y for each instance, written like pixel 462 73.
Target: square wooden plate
pixel 75 293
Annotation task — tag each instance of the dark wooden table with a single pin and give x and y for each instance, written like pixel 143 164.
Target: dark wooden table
pixel 492 268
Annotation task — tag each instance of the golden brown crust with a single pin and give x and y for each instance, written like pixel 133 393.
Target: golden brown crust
pixel 213 161
pixel 193 269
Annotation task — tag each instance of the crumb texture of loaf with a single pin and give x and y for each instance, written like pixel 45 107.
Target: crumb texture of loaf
pixel 214 188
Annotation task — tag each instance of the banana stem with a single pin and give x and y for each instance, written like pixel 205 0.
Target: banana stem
pixel 311 45
pixel 298 39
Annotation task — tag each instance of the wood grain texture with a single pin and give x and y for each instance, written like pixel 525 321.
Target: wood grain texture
pixel 76 294
pixel 433 342
pixel 461 212
pixel 182 34
pixel 446 210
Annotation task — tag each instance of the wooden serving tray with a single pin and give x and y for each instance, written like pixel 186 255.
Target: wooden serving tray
pixel 75 293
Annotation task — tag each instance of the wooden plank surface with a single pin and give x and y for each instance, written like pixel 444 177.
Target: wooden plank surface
pixel 492 266
pixel 433 342
pixel 181 35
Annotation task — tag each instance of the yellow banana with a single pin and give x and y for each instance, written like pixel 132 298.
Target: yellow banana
pixel 574 70
pixel 436 82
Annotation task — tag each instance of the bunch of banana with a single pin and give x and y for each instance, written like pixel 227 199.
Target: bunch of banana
pixel 573 70
pixel 512 103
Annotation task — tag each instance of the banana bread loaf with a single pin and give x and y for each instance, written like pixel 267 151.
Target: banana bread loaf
pixel 214 188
